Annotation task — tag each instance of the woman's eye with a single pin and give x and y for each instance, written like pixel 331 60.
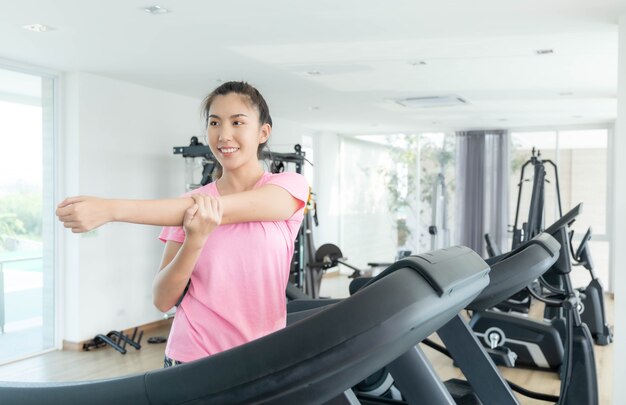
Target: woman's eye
pixel 237 123
pixel 213 123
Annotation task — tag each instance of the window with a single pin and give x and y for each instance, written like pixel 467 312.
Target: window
pixel 412 176
pixel 26 215
pixel 367 231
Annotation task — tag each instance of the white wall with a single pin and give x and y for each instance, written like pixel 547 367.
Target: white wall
pixel 618 253
pixel 286 134
pixel 118 140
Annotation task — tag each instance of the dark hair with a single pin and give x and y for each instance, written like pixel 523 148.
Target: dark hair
pixel 254 98
pixel 244 89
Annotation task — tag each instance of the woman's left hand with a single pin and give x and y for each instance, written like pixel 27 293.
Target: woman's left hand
pixel 202 217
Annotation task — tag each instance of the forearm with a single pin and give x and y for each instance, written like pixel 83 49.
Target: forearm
pixel 169 284
pixel 166 212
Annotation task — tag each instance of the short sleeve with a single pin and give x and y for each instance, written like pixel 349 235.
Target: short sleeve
pixel 295 184
pixel 172 233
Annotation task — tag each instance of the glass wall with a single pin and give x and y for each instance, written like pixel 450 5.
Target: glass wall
pixel 26 215
pixel 412 176
pixel 367 224
pixel 419 185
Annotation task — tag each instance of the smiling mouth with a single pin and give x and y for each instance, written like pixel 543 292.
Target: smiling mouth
pixel 228 150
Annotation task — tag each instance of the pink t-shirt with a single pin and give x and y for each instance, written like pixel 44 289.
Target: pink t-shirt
pixel 237 289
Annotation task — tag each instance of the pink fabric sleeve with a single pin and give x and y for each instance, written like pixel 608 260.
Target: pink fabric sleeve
pixel 295 184
pixel 173 233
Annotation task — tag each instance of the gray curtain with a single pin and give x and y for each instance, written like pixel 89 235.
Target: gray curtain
pixel 482 195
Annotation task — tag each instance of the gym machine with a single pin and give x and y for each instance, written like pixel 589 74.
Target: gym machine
pixel 562 344
pixel 592 296
pixel 315 360
pixel 413 378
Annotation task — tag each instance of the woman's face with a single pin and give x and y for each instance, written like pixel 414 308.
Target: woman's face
pixel 234 132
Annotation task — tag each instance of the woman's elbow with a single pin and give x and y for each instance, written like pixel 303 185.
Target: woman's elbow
pixel 161 304
pixel 162 307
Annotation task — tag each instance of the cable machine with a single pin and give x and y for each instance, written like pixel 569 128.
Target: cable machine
pixel 535 221
pixel 591 307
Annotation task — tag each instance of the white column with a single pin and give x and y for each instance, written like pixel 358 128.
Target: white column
pixel 326 188
pixel 618 215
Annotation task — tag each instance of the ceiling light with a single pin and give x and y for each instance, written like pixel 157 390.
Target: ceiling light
pixel 432 101
pixel 154 10
pixel 37 28
pixel 566 93
pixel 577 116
pixel 544 51
pixel 314 73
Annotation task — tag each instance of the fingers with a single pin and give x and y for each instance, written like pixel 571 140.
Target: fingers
pixel 75 227
pixel 206 203
pixel 209 209
pixel 64 211
pixel 190 213
pixel 216 205
pixel 69 200
pixel 199 204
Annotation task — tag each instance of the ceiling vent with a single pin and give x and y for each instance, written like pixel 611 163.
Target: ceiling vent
pixel 432 101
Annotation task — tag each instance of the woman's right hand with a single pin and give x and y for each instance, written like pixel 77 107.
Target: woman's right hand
pixel 84 213
pixel 202 218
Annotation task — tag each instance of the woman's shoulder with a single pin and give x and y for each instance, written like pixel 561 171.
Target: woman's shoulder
pixel 294 183
pixel 285 178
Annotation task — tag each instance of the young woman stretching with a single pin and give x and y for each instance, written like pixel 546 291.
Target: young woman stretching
pixel 237 237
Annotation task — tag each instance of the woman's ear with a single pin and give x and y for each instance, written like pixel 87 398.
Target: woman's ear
pixel 266 131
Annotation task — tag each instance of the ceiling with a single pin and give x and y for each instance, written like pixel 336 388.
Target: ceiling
pixel 341 66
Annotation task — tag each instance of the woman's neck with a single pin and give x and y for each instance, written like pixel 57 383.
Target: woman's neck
pixel 239 180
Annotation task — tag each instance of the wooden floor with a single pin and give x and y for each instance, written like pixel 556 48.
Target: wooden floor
pixel 107 363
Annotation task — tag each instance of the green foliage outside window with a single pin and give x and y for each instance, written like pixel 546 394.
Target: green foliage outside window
pixel 20 218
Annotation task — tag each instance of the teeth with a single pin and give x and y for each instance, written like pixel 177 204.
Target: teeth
pixel 228 150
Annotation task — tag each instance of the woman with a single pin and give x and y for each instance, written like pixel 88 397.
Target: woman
pixel 237 236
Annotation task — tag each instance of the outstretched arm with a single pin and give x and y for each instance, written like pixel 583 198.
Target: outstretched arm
pixel 266 203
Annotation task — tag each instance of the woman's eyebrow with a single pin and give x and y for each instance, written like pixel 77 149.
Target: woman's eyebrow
pixel 232 116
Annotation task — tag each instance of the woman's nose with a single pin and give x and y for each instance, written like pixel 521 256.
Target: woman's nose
pixel 224 136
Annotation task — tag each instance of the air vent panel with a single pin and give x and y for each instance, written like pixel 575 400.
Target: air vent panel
pixel 432 101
